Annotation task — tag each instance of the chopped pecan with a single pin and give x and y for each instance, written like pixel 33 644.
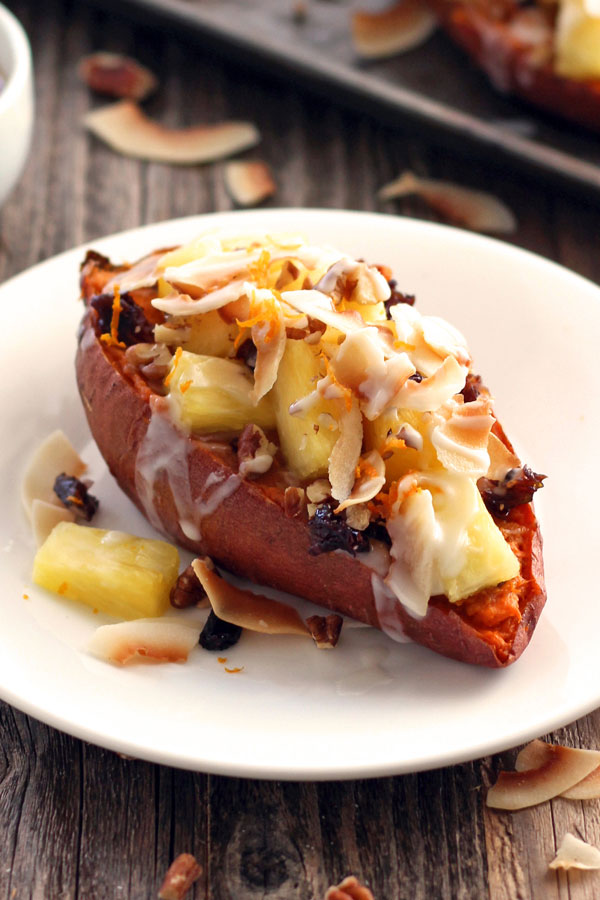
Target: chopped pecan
pixel 294 501
pixel 325 630
pixel 181 875
pixel 358 516
pixel 255 452
pixel 153 361
pixel 349 889
pixel 74 494
pixel 188 591
pixel 318 490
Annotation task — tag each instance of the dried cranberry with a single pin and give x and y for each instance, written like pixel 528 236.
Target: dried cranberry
pixel 218 634
pixel 331 532
pixel 473 387
pixel 134 327
pixel 517 487
pixel 75 496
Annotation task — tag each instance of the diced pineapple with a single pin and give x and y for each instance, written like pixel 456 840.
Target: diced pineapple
pixel 577 41
pixel 371 312
pixel 211 394
pixel 210 335
pixel 489 559
pixel 400 460
pixel 187 253
pixel 306 440
pixel 121 575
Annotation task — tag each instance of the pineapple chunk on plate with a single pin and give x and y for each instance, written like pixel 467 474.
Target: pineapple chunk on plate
pixel 124 576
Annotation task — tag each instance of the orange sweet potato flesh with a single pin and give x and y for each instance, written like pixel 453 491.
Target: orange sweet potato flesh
pixel 494 49
pixel 248 532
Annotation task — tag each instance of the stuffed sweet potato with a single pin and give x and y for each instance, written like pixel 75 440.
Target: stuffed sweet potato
pixel 283 409
pixel 545 52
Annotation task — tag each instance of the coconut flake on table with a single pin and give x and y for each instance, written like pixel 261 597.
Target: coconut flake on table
pixel 474 209
pixel 402 27
pixel 128 130
pixel 249 182
pixel 573 853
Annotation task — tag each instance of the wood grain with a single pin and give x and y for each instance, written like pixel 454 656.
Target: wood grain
pixel 82 823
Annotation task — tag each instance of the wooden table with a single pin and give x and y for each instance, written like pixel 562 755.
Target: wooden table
pixel 81 822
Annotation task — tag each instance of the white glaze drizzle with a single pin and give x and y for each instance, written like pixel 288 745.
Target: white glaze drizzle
pixel 386 605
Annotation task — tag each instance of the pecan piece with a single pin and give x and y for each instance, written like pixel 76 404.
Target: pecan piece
pixel 187 591
pixel 325 630
pixel 181 875
pixel 117 76
pixel 349 889
pixel 255 452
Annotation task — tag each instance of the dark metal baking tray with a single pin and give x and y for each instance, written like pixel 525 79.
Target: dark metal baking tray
pixel 433 89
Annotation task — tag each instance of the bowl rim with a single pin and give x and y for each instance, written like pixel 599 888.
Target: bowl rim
pixel 19 76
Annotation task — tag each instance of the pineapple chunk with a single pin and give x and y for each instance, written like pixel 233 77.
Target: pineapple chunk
pixel 210 335
pixel 577 41
pixel 306 450
pixel 371 312
pixel 187 253
pixel 121 575
pixel 211 394
pixel 489 559
pixel 402 459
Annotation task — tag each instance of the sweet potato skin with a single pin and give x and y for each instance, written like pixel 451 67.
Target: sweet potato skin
pixel 248 532
pixel 493 49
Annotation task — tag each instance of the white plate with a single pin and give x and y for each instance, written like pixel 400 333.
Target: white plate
pixel 371 707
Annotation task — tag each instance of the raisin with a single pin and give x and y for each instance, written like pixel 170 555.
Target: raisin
pixel 134 327
pixel 416 377
pixel 517 487
pixel 331 532
pixel 75 496
pixel 218 634
pixel 247 353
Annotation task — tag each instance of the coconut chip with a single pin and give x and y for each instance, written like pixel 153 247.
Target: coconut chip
pixel 349 889
pixel 502 460
pixel 432 392
pixel 574 853
pixel 245 609
pixel 543 771
pixel 45 516
pixel 144 640
pixel 125 128
pixel 404 26
pixel 117 76
pixel 370 478
pixel 461 441
pixel 249 182
pixel 473 209
pixel 54 455
pixel 346 452
pixel 537 754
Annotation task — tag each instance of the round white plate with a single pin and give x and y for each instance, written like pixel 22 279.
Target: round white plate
pixel 370 707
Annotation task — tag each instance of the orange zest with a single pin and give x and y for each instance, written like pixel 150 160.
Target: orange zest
pixel 176 359
pixel 185 385
pixel 62 588
pixel 259 271
pixel 235 670
pixel 112 338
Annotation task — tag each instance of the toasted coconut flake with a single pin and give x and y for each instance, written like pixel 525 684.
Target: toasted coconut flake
pixel 144 640
pixel 183 305
pixel 502 460
pixel 537 754
pixel 249 183
pixel 346 452
pixel 54 455
pixel 461 441
pixel 319 306
pixel 117 76
pixel 44 516
pixel 410 526
pixel 125 128
pixel 318 490
pixel 574 853
pixel 349 889
pixel 325 630
pixel 370 479
pixel 245 609
pixel 477 210
pixel 269 337
pixel 432 392
pixel 144 273
pixel 404 26
pixel 555 769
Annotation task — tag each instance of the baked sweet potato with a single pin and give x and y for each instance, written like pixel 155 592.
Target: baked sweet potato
pixel 524 51
pixel 235 496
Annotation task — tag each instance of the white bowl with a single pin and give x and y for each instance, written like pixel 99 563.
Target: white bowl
pixel 16 100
